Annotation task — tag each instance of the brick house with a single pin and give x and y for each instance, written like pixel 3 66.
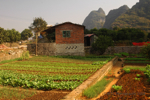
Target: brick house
pixel 69 40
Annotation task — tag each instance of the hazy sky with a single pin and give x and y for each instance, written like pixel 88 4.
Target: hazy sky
pixel 19 14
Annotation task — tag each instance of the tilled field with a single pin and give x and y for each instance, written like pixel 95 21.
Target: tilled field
pixel 48 73
pixel 132 89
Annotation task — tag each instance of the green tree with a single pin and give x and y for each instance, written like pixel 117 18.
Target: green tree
pixel 1 35
pixel 86 31
pixel 6 36
pixel 94 31
pixel 37 26
pixel 104 31
pixel 14 35
pixel 25 34
pixel 145 51
pixel 102 43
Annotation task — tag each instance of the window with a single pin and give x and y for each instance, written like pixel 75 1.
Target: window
pixel 66 33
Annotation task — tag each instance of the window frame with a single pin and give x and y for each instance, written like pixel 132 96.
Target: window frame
pixel 66 33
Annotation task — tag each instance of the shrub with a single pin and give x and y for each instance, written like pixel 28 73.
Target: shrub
pixel 101 44
pixel 146 51
pixel 147 72
pixel 25 55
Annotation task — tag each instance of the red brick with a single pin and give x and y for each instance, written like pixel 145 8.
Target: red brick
pixel 77 33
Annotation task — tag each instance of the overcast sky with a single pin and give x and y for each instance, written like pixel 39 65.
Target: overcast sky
pixel 19 14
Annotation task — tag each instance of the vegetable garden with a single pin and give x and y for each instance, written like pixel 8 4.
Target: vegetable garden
pixel 134 82
pixel 47 73
pixel 137 61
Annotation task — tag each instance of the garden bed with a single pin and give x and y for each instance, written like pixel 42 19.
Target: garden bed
pixel 48 73
pixel 131 88
pixel 136 61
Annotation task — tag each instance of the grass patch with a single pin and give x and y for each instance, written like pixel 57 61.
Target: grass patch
pixel 135 67
pixel 96 89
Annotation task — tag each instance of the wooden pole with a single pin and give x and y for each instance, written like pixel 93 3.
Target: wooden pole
pixel 36 44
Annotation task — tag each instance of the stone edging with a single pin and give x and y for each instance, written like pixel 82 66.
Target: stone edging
pixel 90 81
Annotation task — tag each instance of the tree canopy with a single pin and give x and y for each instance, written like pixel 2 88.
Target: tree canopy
pixel 9 35
pixel 132 34
pixel 1 35
pixel 102 43
pixel 38 25
pixel 25 34
pixel 14 35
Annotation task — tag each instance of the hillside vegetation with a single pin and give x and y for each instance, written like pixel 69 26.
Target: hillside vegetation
pixel 137 17
pixel 113 14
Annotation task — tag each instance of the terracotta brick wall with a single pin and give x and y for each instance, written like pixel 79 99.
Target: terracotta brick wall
pixel 76 35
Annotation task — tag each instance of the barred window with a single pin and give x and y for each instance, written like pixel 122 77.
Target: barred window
pixel 66 33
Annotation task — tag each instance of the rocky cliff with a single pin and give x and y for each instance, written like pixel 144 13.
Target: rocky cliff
pixel 95 19
pixel 113 14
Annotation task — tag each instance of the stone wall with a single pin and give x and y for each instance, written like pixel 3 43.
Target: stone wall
pixel 42 48
pixel 9 57
pixel 70 49
pixel 119 49
pixel 51 49
pixel 127 49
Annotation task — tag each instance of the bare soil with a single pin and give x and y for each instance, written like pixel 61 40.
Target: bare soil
pixel 49 95
pixel 131 89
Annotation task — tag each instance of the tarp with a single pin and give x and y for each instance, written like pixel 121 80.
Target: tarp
pixel 40 36
pixel 139 43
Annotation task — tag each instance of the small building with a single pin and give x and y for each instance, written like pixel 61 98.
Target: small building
pixel 69 40
pixel 89 39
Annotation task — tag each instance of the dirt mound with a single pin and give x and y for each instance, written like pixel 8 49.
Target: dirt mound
pixel 2 46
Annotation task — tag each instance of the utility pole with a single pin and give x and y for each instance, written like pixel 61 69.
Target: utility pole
pixel 36 44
